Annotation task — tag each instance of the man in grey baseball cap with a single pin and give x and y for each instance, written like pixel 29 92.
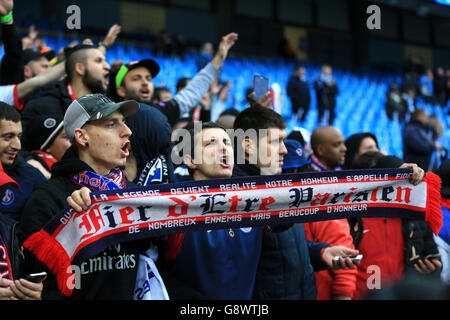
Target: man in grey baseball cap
pixel 100 142
pixel 96 127
pixel 94 107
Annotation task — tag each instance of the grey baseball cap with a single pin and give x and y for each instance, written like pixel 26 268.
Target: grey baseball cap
pixel 94 107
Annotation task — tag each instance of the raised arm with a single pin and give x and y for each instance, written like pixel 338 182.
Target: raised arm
pixel 225 45
pixel 110 38
pixel 11 67
pixel 42 79
pixel 6 7
pixel 194 91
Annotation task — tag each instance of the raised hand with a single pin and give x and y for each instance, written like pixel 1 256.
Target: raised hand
pixel 6 7
pixel 112 34
pixel 225 45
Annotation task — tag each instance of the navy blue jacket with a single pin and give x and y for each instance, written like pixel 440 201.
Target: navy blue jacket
pixel 28 178
pixel 219 264
pixel 418 144
pixel 12 204
pixel 285 269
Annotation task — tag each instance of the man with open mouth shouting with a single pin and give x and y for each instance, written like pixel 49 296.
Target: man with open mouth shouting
pixel 100 140
pixel 213 264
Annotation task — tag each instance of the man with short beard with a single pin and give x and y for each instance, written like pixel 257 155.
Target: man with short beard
pixel 87 73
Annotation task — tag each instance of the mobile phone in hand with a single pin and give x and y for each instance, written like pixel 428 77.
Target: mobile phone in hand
pixel 36 277
pixel 357 258
pixel 434 256
pixel 260 85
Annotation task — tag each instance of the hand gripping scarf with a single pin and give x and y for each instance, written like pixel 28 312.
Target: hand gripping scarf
pixel 117 216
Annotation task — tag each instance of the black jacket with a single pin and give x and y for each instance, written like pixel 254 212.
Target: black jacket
pixel 394 103
pixel 13 238
pixel 53 99
pixel 325 94
pixel 298 91
pixel 285 269
pixel 170 109
pixel 116 281
pixel 12 63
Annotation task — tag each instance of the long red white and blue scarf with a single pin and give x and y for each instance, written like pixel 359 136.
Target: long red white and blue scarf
pixel 117 216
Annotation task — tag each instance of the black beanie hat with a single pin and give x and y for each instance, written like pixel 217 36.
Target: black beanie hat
pixel 352 143
pixel 41 131
pixel 389 162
